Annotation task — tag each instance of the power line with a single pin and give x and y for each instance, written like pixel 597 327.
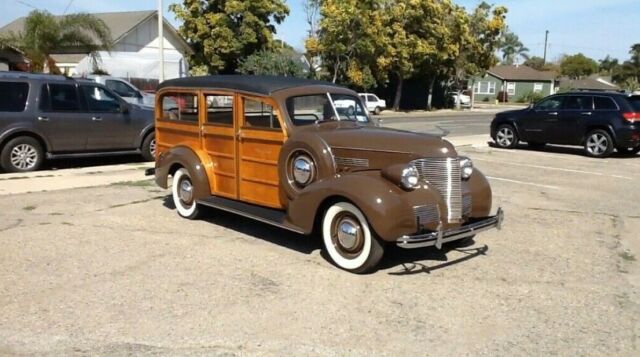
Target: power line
pixel 26 4
pixel 67 8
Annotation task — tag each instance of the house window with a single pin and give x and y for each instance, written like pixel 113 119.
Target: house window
pixel 511 88
pixel 485 88
pixel 537 87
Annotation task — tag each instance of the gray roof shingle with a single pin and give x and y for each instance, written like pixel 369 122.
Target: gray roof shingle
pixel 520 73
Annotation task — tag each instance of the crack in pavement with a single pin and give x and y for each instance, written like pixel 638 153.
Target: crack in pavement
pixel 16 224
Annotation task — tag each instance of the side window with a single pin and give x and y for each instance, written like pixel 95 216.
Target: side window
pixel 372 98
pixel 550 104
pixel 121 88
pixel 13 96
pixel 260 115
pixel 59 98
pixel 575 102
pixel 180 107
pixel 309 109
pixel 99 100
pixel 604 103
pixel 220 109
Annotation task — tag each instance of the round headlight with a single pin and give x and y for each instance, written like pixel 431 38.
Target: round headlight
pixel 303 170
pixel 466 167
pixel 410 177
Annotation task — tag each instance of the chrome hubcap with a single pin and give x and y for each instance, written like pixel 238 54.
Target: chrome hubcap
pixel 597 144
pixel 186 191
pixel 152 147
pixel 24 157
pixel 348 234
pixel 505 137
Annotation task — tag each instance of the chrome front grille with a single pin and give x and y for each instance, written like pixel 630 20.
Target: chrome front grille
pixel 426 214
pixel 444 175
pixel 466 206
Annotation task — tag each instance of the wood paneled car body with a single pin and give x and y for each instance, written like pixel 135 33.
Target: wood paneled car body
pixel 280 151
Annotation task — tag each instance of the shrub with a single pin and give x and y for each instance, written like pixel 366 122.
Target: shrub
pixel 530 97
pixel 502 97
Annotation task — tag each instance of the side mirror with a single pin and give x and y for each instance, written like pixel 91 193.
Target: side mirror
pixel 124 108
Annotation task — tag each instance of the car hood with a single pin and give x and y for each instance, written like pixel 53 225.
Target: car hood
pixel 380 146
pixel 512 112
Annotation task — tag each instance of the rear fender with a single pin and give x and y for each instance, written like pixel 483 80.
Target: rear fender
pixel 196 163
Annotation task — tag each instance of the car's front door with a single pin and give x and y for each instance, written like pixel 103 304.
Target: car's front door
pixel 60 118
pixel 537 124
pixel 219 141
pixel 576 109
pixel 260 137
pixel 112 128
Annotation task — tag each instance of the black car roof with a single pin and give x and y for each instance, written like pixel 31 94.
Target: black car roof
pixel 265 85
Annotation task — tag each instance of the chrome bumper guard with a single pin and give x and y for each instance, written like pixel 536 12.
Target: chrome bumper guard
pixel 440 237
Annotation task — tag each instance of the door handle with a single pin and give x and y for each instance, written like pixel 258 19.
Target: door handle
pixel 43 119
pixel 239 135
pixel 96 119
pixel 586 113
pixel 553 113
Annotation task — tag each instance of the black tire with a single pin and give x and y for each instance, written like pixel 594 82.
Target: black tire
pixel 629 151
pixel 536 146
pixel 598 144
pixel 377 111
pixel 148 147
pixel 22 154
pixel 186 206
pixel 358 250
pixel 506 136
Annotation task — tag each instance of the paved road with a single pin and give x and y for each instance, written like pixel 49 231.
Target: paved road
pixel 458 124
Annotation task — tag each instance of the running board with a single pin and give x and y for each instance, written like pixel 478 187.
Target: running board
pixel 270 216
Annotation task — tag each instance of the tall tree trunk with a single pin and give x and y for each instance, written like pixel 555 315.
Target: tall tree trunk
pixel 432 81
pixel 396 100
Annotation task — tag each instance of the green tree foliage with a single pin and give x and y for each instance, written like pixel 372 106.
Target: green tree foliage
pixel 578 66
pixel 45 34
pixel 628 74
pixel 535 62
pixel 222 32
pixel 512 48
pixel 608 65
pixel 273 63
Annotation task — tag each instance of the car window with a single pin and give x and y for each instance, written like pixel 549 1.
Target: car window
pixel 349 108
pixel 578 102
pixel 635 102
pixel 220 109
pixel 308 109
pixel 554 103
pixel 13 96
pixel 258 114
pixel 59 98
pixel 604 103
pixel 100 100
pixel 372 98
pixel 121 88
pixel 180 107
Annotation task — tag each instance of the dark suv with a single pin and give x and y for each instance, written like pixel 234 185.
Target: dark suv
pixel 58 117
pixel 599 121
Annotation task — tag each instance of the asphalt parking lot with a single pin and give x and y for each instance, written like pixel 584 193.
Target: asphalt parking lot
pixel 113 270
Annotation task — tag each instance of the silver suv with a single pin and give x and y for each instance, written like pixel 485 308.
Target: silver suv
pixel 124 89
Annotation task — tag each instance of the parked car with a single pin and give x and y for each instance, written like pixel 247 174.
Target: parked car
pixel 373 104
pixel 275 149
pixel 46 116
pixel 599 121
pixel 465 100
pixel 124 89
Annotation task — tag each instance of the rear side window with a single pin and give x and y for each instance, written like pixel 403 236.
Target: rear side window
pixel 604 103
pixel 635 102
pixel 13 96
pixel 578 103
pixel 59 98
pixel 180 107
pixel 220 109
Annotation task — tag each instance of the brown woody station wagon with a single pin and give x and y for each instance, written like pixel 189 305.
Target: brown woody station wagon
pixel 306 156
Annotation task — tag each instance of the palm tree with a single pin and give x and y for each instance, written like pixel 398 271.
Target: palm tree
pixel 45 34
pixel 511 47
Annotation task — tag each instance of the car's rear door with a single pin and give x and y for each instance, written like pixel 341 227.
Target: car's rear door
pixel 569 128
pixel 111 128
pixel 60 117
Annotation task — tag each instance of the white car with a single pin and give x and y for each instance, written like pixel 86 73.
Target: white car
pixel 465 100
pixel 124 89
pixel 374 104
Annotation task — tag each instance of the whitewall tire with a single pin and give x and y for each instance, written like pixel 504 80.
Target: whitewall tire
pixel 348 239
pixel 182 190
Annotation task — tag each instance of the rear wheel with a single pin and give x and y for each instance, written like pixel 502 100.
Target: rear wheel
pixel 377 111
pixel 183 191
pixel 22 154
pixel 506 137
pixel 598 144
pixel 149 147
pixel 348 239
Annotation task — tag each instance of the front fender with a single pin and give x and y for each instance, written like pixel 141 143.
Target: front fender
pixel 388 208
pixel 182 156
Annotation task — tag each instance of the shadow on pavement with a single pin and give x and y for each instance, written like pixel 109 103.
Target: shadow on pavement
pixel 555 149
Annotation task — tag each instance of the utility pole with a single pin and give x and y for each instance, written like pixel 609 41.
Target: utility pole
pixel 161 40
pixel 546 38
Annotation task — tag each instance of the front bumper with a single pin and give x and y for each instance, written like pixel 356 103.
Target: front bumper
pixel 440 237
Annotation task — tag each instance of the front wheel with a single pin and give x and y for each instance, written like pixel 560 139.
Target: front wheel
pixel 506 137
pixel 598 144
pixel 348 239
pixel 182 191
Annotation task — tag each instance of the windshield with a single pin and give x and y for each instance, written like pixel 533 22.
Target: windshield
pixel 310 109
